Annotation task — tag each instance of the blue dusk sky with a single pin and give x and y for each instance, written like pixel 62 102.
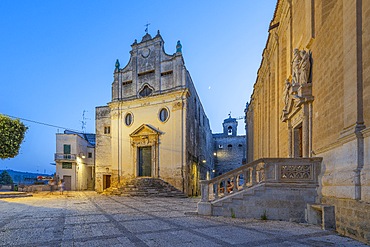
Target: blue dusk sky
pixel 57 59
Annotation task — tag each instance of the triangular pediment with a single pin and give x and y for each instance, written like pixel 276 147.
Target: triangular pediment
pixel 145 130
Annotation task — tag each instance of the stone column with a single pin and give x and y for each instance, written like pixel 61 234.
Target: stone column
pixel 305 131
pixel 290 142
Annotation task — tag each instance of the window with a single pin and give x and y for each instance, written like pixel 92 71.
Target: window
pixel 240 145
pixel 230 130
pixel 146 91
pixel 126 83
pixel 229 146
pixel 128 119
pixel 89 155
pixel 107 130
pixel 66 165
pixel 163 114
pixel 166 73
pixel 66 149
pixel 220 146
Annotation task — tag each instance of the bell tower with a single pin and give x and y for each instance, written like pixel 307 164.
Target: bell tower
pixel 230 126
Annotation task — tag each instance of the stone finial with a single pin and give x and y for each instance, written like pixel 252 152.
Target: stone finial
pixel 117 65
pixel 178 46
pixel 158 34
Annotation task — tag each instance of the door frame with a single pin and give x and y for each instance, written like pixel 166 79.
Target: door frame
pixel 146 136
pixel 139 152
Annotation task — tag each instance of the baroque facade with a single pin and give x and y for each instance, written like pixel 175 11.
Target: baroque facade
pixel 155 125
pixel 312 99
pixel 228 147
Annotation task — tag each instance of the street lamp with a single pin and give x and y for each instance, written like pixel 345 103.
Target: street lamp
pixel 82 155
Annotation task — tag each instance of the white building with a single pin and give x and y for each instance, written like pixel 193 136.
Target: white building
pixel 74 158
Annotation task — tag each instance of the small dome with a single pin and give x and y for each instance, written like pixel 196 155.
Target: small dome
pixel 230 119
pixel 146 37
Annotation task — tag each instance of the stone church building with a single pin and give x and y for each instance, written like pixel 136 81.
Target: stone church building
pixel 155 125
pixel 312 99
pixel 229 149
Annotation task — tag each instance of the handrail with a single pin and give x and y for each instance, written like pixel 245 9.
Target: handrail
pixel 59 156
pixel 271 170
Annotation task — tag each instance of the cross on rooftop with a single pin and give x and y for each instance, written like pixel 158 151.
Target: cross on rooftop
pixel 147 27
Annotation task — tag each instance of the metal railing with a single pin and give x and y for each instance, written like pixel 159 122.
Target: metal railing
pixel 65 156
pixel 266 170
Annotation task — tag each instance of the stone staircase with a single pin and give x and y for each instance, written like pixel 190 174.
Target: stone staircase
pixel 271 188
pixel 145 187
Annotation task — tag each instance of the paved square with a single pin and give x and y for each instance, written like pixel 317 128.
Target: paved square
pixel 90 219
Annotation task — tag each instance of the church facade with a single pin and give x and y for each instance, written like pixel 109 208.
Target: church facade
pixel 155 125
pixel 312 99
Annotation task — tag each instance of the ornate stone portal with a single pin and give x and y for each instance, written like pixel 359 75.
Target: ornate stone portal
pixel 297 111
pixel 144 142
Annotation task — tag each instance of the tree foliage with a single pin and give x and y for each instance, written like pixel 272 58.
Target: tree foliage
pixel 12 133
pixel 5 178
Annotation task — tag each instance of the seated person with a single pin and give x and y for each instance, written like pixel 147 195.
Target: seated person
pixel 230 186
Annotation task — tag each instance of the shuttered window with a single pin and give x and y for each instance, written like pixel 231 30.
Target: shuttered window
pixel 67 149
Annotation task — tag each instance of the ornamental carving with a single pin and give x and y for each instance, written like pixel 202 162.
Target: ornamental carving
pixel 294 172
pixel 297 88
pixel 145 135
pixel 301 67
pixel 177 106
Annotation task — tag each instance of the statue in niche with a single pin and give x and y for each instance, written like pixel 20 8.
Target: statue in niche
pixel 295 66
pixel 305 66
pixel 286 94
pixel 301 66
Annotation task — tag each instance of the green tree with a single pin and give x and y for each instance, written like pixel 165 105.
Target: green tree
pixel 12 133
pixel 5 178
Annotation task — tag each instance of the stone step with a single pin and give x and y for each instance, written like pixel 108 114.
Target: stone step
pixel 145 187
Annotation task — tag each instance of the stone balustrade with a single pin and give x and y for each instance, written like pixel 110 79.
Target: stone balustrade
pixel 266 170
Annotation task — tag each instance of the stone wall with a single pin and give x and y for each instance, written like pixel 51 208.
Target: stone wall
pixel 229 153
pixel 103 152
pixel 352 217
pixel 328 115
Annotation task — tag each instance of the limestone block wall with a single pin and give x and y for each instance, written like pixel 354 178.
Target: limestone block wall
pixel 229 153
pixel 336 33
pixel 352 217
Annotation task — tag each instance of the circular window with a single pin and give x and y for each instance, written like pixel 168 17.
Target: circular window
pixel 163 115
pixel 128 119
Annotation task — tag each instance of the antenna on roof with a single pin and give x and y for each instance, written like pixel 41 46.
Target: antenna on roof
pixel 83 122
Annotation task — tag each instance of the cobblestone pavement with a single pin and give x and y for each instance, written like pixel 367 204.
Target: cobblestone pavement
pixel 90 219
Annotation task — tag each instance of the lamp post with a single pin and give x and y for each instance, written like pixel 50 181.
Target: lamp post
pixel 203 163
